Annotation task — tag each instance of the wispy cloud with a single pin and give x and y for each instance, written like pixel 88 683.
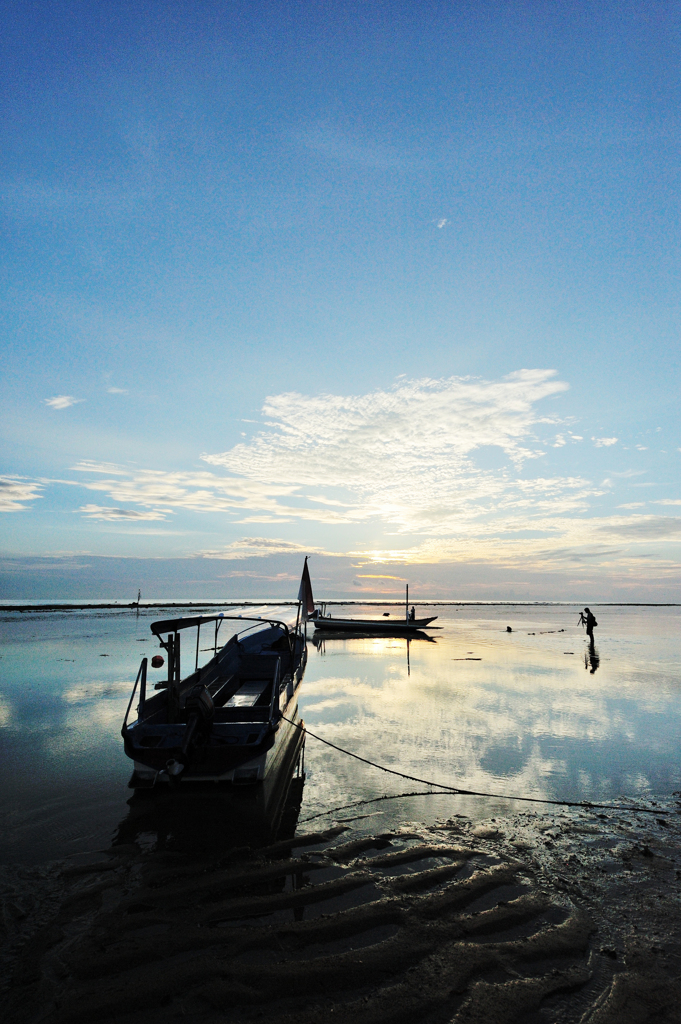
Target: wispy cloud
pixel 404 462
pixel 15 490
pixel 652 527
pixel 109 468
pixel 260 547
pixel 62 401
pixel 604 442
pixel 405 456
pixel 373 576
pixel 117 391
pixel 203 492
pixel 117 514
pixel 552 542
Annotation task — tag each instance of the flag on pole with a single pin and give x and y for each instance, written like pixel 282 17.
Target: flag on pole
pixel 305 593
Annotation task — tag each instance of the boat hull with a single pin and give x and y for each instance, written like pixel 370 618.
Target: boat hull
pixel 216 817
pixel 373 625
pixel 245 767
pixel 371 634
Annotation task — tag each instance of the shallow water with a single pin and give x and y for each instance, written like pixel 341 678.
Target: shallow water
pixel 536 715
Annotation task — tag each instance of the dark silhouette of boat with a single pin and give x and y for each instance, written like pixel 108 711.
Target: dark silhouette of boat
pixel 376 627
pixel 228 720
pixel 382 627
pixel 204 819
pixel 322 634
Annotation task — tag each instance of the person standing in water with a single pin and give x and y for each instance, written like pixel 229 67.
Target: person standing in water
pixel 588 620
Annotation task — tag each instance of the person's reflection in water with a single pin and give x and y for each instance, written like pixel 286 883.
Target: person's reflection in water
pixel 592 660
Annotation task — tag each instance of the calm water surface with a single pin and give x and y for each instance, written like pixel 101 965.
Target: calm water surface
pixel 528 713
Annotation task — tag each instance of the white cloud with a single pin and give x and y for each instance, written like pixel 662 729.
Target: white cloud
pixel 15 490
pixel 403 456
pixel 204 492
pixel 110 468
pixel 668 501
pixel 117 514
pixel 604 442
pixel 634 504
pixel 260 547
pixel 555 541
pixel 62 401
pixel 441 223
pixel 403 462
pixel 117 391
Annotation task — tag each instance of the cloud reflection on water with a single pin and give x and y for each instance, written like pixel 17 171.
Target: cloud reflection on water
pixel 526 719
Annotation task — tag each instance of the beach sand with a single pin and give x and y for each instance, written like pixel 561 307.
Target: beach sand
pixel 560 916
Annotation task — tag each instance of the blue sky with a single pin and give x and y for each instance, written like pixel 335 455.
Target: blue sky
pixel 393 284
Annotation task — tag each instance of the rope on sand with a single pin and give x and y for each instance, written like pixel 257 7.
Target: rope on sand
pixel 443 786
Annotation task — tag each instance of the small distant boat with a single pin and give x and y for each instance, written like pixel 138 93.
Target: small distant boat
pixel 373 626
pixel 385 625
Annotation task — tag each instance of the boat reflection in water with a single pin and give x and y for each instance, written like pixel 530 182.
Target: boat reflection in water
pixel 321 636
pixel 211 818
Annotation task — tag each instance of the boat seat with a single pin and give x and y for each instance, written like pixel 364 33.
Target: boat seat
pixel 224 690
pixel 248 694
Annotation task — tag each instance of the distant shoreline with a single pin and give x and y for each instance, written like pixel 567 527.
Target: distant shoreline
pixel 134 606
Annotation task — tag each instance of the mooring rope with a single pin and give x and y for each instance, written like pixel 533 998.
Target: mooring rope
pixel 370 800
pixel 469 792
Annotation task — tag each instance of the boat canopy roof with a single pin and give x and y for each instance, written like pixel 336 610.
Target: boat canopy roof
pixel 288 619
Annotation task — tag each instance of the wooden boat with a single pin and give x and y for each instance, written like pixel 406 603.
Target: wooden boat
pixel 385 625
pixel 370 634
pixel 225 720
pixel 382 627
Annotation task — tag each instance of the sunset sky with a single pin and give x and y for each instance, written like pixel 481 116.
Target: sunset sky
pixel 394 285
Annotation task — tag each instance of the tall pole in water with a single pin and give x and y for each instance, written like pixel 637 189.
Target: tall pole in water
pixel 406 605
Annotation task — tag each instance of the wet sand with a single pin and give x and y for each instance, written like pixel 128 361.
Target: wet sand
pixel 568 916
